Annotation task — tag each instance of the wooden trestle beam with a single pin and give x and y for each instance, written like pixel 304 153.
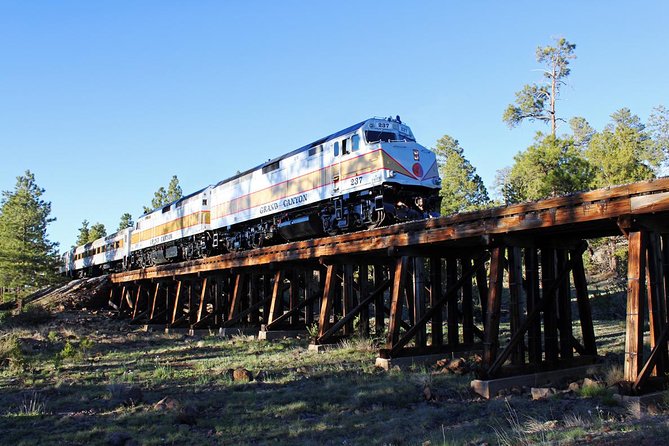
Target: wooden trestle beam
pixel 429 286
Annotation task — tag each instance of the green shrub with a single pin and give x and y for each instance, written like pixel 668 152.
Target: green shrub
pixel 594 391
pixel 69 351
pixel 11 355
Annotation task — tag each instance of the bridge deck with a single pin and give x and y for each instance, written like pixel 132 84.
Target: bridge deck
pixel 583 215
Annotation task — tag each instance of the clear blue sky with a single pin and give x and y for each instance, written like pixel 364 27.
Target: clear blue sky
pixel 105 100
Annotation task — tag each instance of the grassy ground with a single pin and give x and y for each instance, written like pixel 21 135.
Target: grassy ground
pixel 82 378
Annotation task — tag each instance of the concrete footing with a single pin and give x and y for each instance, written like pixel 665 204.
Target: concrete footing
pixel 238 331
pixel 223 332
pixel 409 361
pixel 320 348
pixel 489 388
pixel 639 405
pixel 280 334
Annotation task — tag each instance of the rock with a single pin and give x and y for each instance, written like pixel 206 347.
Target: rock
pixel 118 438
pixel 240 374
pixel 516 390
pixel 187 415
pixel 541 393
pixel 574 387
pixel 458 366
pixel 167 403
pixel 427 393
pixel 199 344
pixel 587 382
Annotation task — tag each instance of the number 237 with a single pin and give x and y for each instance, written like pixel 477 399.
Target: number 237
pixel 355 181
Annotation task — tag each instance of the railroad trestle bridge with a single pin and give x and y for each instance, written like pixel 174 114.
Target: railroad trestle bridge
pixel 439 286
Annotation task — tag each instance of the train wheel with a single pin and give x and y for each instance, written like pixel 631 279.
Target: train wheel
pixel 379 218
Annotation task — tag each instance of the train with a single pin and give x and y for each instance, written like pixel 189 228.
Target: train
pixel 367 175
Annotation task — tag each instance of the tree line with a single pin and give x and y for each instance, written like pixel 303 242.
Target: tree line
pixel 624 151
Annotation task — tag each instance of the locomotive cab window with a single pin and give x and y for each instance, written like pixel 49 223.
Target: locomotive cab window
pixel 376 136
pixel 344 147
pixel 355 143
pixel 336 148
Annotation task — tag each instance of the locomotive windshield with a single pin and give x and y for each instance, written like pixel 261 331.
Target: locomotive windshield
pixel 379 136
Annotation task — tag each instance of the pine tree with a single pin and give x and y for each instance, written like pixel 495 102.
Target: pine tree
pixel 27 258
pixel 162 197
pixel 462 189
pixel 84 233
pixel 538 102
pixel 624 151
pixel 126 222
pixel 97 231
pixel 549 168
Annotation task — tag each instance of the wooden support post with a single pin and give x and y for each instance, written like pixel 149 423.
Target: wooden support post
pixel 636 266
pixel 493 305
pixel 176 302
pixel 397 296
pixel 347 297
pixel 584 308
pixel 135 311
pixel 363 285
pixel 277 297
pixel 203 299
pixel 564 310
pixel 379 304
pixel 532 291
pixel 327 301
pixel 267 292
pixel 436 294
pixel 123 299
pixel 467 305
pixel 238 290
pixel 656 298
pixel 293 295
pixel 482 286
pixel 154 301
pixel 515 298
pixel 308 293
pixel 418 294
pixel 452 303
pixel 254 293
pixel 551 344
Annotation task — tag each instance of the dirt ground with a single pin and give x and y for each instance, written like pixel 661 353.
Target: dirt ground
pixel 75 376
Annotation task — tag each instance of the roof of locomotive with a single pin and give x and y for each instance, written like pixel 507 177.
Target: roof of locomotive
pixel 296 151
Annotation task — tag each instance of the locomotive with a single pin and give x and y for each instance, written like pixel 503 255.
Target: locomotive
pixel 370 174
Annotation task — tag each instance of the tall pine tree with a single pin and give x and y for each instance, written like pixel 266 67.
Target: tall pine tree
pixel 27 258
pixel 162 197
pixel 462 189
